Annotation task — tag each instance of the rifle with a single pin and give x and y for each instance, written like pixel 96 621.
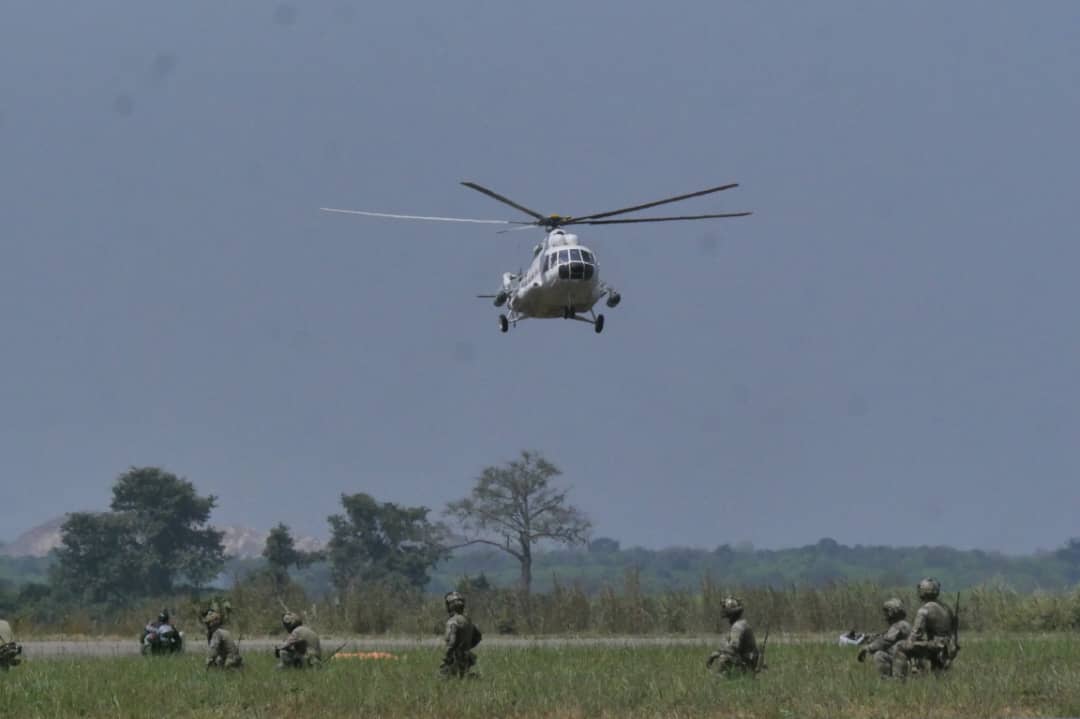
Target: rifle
pixel 760 664
pixel 956 626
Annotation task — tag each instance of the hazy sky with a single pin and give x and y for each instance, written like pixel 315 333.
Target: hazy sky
pixel 886 352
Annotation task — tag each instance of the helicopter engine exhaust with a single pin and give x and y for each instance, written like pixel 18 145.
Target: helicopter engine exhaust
pixel 613 298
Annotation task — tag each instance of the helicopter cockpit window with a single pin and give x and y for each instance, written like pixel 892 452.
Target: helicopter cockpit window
pixel 574 264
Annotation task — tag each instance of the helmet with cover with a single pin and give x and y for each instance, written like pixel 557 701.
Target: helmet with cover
pixel 893 610
pixel 291 620
pixel 455 602
pixel 731 607
pixel 929 589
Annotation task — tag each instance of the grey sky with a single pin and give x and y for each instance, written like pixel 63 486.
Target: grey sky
pixel 887 351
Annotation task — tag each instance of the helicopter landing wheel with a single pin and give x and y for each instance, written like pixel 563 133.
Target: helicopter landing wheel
pixel 598 325
pixel 504 324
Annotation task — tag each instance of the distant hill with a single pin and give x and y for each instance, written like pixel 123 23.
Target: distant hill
pixel 36 542
pixel 240 542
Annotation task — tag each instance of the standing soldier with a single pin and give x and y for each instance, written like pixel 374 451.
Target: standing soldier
pixel 931 635
pixel 224 652
pixel 302 648
pixel 883 646
pixel 739 652
pixel 9 648
pixel 461 637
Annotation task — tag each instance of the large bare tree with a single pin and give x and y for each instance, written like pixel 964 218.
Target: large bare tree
pixel 514 506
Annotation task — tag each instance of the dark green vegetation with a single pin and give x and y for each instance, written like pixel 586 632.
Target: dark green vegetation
pixel 514 508
pixel 155 536
pixel 992 678
pixel 385 561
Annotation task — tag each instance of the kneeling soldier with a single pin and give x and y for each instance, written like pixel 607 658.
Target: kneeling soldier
pixel 224 652
pixel 301 648
pixel 739 652
pixel 883 646
pixel 931 635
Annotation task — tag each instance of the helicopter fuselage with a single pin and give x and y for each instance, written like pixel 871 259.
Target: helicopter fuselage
pixel 563 279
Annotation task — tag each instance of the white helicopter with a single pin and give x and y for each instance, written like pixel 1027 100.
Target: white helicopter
pixel 563 279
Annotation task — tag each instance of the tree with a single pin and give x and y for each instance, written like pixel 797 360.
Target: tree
pixel 383 542
pixel 281 553
pixel 514 506
pixel 154 537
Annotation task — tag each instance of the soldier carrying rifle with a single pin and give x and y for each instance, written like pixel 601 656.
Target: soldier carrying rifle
pixel 934 635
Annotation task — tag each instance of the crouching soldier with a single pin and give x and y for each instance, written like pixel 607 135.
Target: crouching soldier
pixel 461 637
pixel 223 652
pixel 301 648
pixel 10 650
pixel 883 646
pixel 739 652
pixel 932 634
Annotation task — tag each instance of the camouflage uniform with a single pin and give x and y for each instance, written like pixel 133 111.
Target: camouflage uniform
pixel 883 646
pixel 223 652
pixel 9 648
pixel 301 648
pixel 739 652
pixel 461 636
pixel 931 637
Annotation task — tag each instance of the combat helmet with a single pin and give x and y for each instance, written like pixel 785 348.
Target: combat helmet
pixel 731 607
pixel 929 589
pixel 163 616
pixel 454 602
pixel 893 609
pixel 291 620
pixel 212 619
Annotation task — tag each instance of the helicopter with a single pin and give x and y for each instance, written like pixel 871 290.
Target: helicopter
pixel 563 279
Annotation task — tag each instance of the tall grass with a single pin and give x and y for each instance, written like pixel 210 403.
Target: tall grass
pixel 991 678
pixel 567 609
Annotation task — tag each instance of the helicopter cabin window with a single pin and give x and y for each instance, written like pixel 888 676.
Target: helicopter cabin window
pixel 587 256
pixel 575 255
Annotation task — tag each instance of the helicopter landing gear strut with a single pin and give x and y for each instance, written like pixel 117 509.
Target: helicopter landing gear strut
pixel 597 321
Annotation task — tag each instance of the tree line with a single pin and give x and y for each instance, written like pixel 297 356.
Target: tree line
pixel 156 538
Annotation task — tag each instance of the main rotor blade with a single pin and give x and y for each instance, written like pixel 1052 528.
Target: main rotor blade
pixel 658 219
pixel 647 205
pixel 505 200
pixel 422 217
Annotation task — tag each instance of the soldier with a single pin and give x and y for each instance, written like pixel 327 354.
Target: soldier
pixel 9 648
pixel 931 635
pixel 301 648
pixel 223 652
pixel 461 637
pixel 883 646
pixel 739 652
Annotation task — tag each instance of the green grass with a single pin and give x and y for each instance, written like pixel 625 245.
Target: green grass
pixel 992 678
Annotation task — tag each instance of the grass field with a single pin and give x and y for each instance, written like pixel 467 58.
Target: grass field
pixel 992 678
